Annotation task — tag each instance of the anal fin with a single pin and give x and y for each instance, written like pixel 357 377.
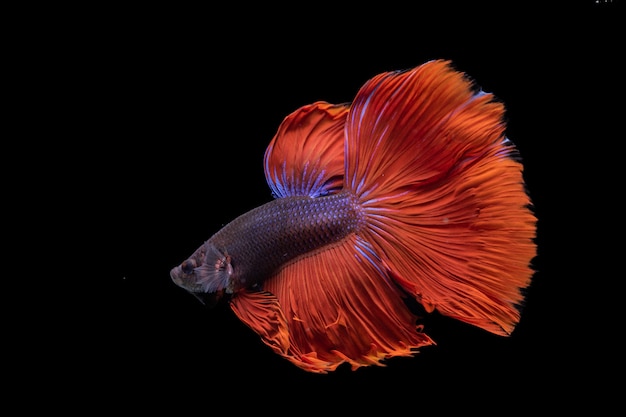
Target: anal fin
pixel 334 306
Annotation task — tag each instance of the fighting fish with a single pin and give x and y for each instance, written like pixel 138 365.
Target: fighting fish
pixel 411 192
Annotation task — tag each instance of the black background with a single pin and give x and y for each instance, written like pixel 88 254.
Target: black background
pixel 169 113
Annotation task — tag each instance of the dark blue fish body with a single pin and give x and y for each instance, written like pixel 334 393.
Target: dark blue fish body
pixel 253 246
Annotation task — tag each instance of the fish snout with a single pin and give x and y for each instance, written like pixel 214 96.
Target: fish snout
pixel 175 274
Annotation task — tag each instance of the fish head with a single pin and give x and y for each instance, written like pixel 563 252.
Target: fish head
pixel 206 274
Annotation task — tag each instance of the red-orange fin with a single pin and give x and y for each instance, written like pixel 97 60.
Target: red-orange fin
pixel 305 157
pixel 336 306
pixel 261 311
pixel 445 201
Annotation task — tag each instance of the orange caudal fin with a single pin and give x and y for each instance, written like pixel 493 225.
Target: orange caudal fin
pixel 445 201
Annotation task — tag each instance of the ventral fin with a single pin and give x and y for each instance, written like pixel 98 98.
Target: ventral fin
pixel 305 157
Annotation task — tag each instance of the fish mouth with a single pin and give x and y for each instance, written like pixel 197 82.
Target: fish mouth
pixel 175 275
pixel 207 299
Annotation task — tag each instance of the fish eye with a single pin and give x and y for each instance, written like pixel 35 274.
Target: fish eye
pixel 188 266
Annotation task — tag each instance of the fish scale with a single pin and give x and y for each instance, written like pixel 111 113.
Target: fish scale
pixel 267 237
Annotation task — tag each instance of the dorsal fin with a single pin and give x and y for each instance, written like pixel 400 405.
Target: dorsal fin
pixel 305 157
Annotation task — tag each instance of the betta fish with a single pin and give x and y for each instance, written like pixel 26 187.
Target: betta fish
pixel 411 192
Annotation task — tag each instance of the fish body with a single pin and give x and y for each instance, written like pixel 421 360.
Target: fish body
pixel 411 190
pixel 266 238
